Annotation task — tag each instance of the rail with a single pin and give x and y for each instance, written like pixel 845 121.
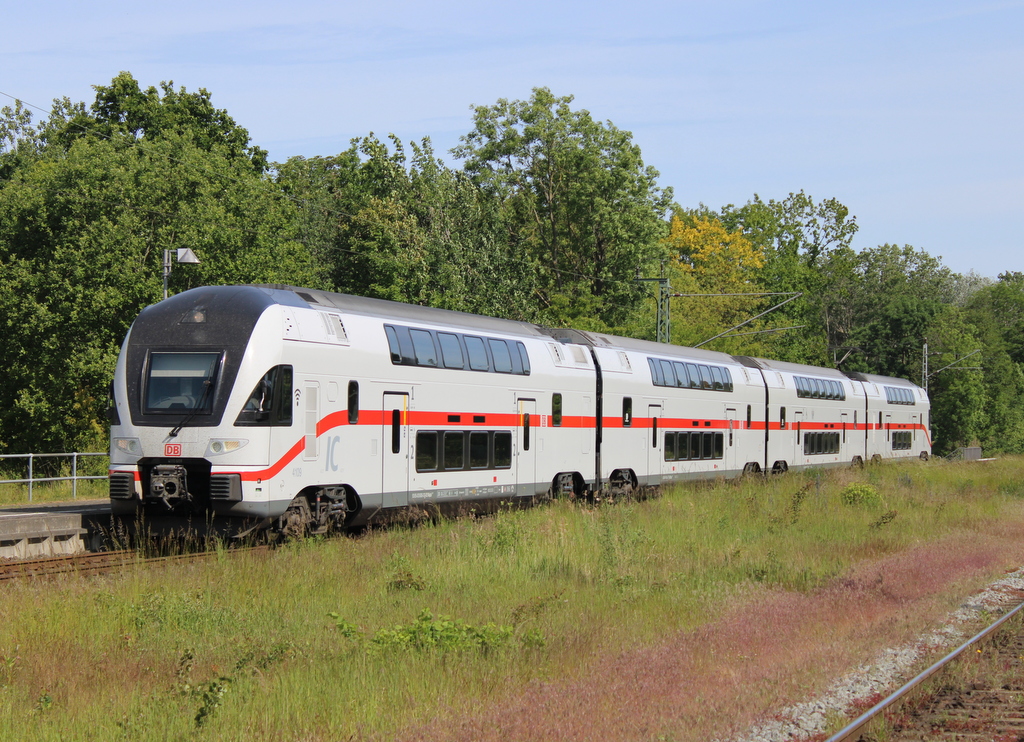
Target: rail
pixel 851 730
pixel 31 480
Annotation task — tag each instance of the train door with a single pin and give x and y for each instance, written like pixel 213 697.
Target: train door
pixel 526 451
pixel 654 446
pixel 311 416
pixel 395 445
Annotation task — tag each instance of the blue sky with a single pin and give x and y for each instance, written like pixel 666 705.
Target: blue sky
pixel 908 112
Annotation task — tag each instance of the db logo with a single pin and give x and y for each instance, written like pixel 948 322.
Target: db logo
pixel 172 449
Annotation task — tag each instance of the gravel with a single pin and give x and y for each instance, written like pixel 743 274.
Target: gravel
pixel 886 673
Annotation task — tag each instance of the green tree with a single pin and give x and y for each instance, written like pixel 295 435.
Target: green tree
pixel 407 228
pixel 83 227
pixel 576 194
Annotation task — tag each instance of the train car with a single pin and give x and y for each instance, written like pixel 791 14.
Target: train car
pixel 298 410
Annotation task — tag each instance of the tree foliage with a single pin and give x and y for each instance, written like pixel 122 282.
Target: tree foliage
pixel 576 195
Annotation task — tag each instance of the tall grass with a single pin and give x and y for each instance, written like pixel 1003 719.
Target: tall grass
pixel 362 637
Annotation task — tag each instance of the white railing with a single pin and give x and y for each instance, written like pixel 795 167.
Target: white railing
pixel 32 479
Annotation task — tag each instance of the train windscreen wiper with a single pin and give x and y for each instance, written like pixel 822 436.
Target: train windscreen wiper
pixel 207 385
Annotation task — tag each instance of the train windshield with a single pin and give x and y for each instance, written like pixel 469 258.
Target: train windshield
pixel 181 382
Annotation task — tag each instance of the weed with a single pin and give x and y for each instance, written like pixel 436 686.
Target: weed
pixel 798 500
pixel 887 517
pixel 861 495
pixel 443 634
pixel 345 627
pixel 532 608
pixel 44 703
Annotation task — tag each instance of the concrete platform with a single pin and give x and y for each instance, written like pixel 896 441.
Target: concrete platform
pixel 50 529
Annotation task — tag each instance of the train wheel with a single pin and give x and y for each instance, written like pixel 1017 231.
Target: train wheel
pixel 296 521
pixel 750 468
pixel 924 456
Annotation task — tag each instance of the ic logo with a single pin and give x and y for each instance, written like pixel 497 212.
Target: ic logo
pixel 172 449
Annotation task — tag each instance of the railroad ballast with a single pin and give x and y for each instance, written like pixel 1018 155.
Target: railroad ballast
pixel 300 409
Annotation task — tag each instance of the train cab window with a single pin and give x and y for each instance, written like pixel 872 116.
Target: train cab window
pixel 451 350
pixel 477 354
pixel 423 346
pixel 454 450
pixel 627 412
pixel 556 410
pixel 353 402
pixel 502 450
pixel 270 403
pixel 500 354
pixel 478 458
pixel 181 382
pixel 426 451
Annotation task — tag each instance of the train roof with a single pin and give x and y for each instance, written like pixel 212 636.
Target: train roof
pixel 394 310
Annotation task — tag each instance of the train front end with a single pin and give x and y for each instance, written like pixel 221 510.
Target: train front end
pixel 198 394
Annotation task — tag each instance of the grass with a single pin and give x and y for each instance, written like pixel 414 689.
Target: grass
pixel 403 629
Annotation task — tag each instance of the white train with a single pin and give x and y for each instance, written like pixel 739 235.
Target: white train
pixel 298 409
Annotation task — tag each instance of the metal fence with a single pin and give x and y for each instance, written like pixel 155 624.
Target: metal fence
pixel 31 480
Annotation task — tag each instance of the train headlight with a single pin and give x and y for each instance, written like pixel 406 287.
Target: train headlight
pixel 220 446
pixel 132 446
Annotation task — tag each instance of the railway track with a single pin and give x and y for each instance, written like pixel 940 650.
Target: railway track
pixel 976 692
pixel 95 564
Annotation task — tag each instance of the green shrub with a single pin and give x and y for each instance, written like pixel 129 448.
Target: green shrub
pixel 861 495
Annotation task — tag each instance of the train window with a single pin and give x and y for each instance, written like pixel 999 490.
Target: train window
pixel 654 432
pixel 668 374
pixel 500 354
pixel 782 418
pixel 627 412
pixel 454 450
pixel 694 374
pixel 719 443
pixel 478 450
pixel 728 379
pixel 502 450
pixel 353 402
pixel 181 382
pixel 395 348
pixel 716 378
pixel 524 357
pixel 706 382
pixel 426 450
pixel 749 416
pixel 670 446
pixel 681 375
pixel 477 354
pixel 556 410
pixel 423 346
pixel 451 350
pixel 656 377
pixel 270 403
pixel 526 431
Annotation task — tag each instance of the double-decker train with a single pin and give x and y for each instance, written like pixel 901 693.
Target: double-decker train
pixel 298 409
